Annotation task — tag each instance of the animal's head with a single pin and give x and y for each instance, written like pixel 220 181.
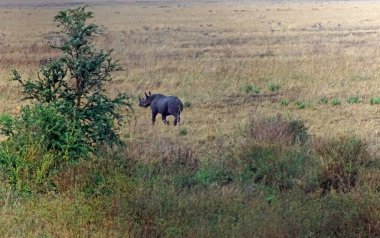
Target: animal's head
pixel 145 102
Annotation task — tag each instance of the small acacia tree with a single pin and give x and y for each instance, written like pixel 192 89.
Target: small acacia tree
pixel 71 113
pixel 75 81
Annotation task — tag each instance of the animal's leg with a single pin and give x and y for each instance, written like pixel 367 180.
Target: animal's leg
pixel 154 114
pixel 177 119
pixel 164 120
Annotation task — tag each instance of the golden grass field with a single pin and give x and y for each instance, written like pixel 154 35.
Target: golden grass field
pixel 206 52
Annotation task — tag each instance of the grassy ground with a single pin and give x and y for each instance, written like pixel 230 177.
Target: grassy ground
pixel 229 62
pixel 208 53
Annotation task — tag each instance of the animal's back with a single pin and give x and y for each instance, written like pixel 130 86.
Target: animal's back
pixel 167 104
pixel 172 104
pixel 159 102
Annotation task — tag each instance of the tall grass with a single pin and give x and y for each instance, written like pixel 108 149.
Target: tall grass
pixel 168 189
pixel 224 172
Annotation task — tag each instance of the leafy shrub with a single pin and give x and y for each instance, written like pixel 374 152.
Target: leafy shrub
pixel 212 173
pixel 353 100
pixel 268 156
pixel 341 161
pixel 273 167
pixel 85 100
pixel 67 120
pixel 7 124
pixel 39 142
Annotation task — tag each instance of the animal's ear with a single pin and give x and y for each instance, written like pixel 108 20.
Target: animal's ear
pixel 146 95
pixel 150 93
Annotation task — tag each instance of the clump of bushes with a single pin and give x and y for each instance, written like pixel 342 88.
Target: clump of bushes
pixel 277 130
pixel 257 183
pixel 341 161
pixel 274 154
pixel 274 167
pixel 39 143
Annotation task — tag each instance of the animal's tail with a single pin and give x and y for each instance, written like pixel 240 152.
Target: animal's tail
pixel 180 108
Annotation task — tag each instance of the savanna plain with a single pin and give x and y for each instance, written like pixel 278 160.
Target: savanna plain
pixel 279 136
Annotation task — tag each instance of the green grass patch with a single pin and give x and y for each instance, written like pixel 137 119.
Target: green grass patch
pixel 353 100
pixel 187 104
pixel 335 101
pixel 324 100
pixel 300 105
pixel 373 101
pixel 183 131
pixel 285 102
pixel 250 88
pixel 274 87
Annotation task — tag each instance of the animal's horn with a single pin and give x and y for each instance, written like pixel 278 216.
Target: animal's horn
pixel 146 94
pixel 150 93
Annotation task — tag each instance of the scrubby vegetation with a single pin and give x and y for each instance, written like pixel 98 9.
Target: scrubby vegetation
pixel 65 122
pixel 278 181
pixel 66 171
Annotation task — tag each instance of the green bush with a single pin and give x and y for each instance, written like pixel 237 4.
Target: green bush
pixel 275 154
pixel 213 173
pixel 66 120
pixel 85 100
pixel 39 142
pixel 274 167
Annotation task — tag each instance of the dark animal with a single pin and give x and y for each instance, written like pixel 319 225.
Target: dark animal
pixel 165 105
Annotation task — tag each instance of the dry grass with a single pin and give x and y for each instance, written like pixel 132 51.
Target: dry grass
pixel 205 53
